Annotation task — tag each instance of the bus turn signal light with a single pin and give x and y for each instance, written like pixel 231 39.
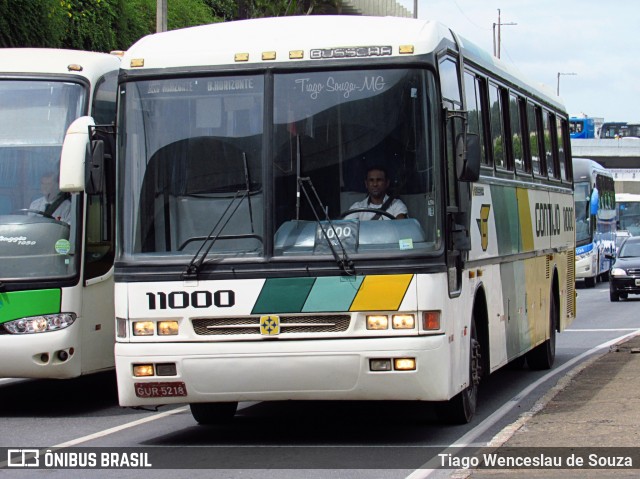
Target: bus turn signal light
pixel 431 320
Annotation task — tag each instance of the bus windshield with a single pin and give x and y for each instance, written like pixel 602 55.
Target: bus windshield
pixel 37 236
pixel 197 168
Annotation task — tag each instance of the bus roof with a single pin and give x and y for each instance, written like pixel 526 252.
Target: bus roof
pixel 279 39
pixel 583 167
pixel 56 61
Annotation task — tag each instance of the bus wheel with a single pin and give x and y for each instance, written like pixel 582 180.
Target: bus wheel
pixel 461 408
pixel 544 355
pixel 213 412
pixel 590 282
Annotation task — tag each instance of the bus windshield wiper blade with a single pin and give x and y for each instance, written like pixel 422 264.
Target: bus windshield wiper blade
pixel 344 262
pixel 196 262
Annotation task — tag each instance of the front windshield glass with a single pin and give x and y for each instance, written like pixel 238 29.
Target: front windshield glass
pixel 37 234
pixel 583 216
pixel 194 169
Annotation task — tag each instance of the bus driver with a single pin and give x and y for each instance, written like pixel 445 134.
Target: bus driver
pixel 377 184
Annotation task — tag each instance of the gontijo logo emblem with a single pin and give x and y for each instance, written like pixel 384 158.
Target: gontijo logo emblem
pixel 269 325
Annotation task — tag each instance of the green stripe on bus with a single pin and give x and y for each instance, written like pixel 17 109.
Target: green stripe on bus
pixel 22 304
pixel 283 295
pixel 332 294
pixel 526 227
pixel 507 222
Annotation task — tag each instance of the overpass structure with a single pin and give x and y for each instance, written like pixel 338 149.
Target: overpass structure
pixel 621 156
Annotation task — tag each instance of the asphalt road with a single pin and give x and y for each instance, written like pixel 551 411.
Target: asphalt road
pixel 284 439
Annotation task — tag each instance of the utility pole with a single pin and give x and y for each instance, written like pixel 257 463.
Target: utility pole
pixel 496 53
pixel 161 15
pixel 559 74
pixel 415 8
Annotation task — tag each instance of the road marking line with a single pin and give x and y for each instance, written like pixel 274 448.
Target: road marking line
pixel 128 425
pixel 599 330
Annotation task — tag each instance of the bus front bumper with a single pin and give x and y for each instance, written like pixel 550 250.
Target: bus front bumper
pixel 286 370
pixel 54 354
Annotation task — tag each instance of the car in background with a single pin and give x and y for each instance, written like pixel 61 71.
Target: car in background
pixel 624 277
pixel 621 235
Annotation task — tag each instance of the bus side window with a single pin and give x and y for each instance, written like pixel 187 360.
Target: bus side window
pixel 474 89
pixel 563 149
pixel 497 127
pixel 533 115
pixel 517 146
pixel 549 145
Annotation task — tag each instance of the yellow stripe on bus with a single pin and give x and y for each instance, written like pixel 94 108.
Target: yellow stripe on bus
pixel 381 293
pixel 526 228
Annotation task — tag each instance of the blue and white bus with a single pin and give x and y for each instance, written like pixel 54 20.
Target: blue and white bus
pixel 595 201
pixel 582 128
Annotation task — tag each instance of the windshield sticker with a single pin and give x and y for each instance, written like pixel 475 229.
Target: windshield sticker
pixel 20 240
pixel 406 243
pixel 63 246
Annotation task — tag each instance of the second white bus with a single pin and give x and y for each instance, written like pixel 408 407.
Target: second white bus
pixel 56 247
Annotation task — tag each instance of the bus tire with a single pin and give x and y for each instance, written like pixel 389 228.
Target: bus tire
pixel 590 282
pixel 544 355
pixel 213 412
pixel 461 408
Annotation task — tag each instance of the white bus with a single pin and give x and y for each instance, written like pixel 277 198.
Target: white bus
pixel 595 201
pixel 56 248
pixel 628 212
pixel 240 274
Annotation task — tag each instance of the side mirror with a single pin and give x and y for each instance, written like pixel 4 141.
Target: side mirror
pixel 94 173
pixel 468 157
pixel 75 153
pixel 594 202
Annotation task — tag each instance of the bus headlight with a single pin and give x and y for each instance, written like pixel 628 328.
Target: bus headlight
pixel 403 321
pixel 168 328
pixel 377 321
pixel 40 324
pixel 618 272
pixel 143 328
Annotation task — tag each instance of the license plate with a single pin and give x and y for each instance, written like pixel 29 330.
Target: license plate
pixel 160 390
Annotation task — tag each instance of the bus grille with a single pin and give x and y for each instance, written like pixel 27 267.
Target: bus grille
pixel 329 323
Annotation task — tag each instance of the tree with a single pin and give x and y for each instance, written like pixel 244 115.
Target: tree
pixel 31 23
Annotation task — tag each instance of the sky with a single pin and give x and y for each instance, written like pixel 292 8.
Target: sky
pixel 595 39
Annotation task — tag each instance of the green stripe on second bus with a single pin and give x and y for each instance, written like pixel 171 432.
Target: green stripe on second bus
pixel 24 304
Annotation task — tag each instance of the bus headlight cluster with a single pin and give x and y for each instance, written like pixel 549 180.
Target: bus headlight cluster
pixel 377 322
pixel 40 324
pixel 150 328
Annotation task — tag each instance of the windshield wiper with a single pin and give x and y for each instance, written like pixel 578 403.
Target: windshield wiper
pixel 343 261
pixel 196 262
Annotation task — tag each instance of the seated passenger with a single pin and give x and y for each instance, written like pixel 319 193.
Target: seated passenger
pixel 377 184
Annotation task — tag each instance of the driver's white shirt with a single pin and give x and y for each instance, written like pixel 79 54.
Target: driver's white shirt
pixel 62 212
pixel 397 207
